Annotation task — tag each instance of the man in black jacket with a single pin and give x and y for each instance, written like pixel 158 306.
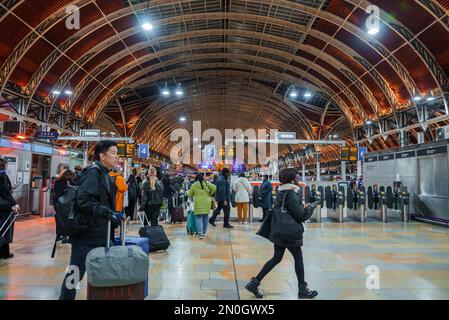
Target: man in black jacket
pixel 223 197
pixel 95 202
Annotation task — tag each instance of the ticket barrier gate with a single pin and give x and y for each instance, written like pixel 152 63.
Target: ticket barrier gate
pixel 316 216
pixel 404 198
pixel 356 205
pixel 377 206
pixel 338 213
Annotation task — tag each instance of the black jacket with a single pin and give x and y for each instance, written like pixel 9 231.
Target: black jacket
pixel 294 208
pixel 6 194
pixel 152 197
pixel 95 200
pixel 223 192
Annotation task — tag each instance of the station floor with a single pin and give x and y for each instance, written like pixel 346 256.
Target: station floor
pixel 413 260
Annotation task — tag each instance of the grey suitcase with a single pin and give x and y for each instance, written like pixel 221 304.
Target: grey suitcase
pixel 113 271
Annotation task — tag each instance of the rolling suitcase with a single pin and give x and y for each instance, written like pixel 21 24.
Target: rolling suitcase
pixel 191 221
pixel 157 238
pixel 118 272
pixel 177 212
pixel 142 243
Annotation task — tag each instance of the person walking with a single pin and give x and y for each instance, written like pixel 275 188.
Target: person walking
pixel 169 191
pixel 95 202
pixel 288 195
pixel 152 198
pixel 266 197
pixel 201 191
pixel 7 205
pixel 223 198
pixel 243 191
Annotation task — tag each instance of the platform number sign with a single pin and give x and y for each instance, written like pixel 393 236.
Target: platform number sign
pixel 143 151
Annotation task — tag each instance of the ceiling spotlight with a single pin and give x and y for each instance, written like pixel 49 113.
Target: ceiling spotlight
pixel 147 26
pixel 369 122
pixel 417 98
pixel 68 92
pixel 293 94
pixel 431 98
pixel 335 136
pixel 179 91
pixel 307 95
pixel 182 119
pixel 56 92
pixel 373 31
pixel 165 92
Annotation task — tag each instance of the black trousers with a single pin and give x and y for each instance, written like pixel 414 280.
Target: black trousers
pixel 4 251
pixel 152 212
pixel 77 260
pixel 277 258
pixel 265 211
pixel 130 210
pixel 226 210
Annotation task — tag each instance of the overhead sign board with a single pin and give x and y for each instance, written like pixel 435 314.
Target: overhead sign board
pixel 344 154
pixel 92 133
pixel 286 135
pixel 353 154
pixel 143 151
pixel 130 150
pixel 121 149
pixel 362 152
pixel 51 135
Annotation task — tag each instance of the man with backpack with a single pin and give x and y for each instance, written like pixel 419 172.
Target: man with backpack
pixel 223 198
pixel 94 206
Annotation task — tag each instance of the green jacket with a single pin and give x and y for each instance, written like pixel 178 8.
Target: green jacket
pixel 201 196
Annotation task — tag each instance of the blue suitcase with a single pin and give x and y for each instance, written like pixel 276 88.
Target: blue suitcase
pixel 143 243
pixel 191 223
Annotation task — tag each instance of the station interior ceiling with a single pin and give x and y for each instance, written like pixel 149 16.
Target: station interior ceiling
pixel 237 62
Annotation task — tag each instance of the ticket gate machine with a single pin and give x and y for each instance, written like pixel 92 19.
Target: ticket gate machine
pixel 338 213
pixel 316 217
pixel 404 199
pixel 356 204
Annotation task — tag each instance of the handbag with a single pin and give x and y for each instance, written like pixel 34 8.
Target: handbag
pixel 265 228
pixel 284 226
pixel 212 205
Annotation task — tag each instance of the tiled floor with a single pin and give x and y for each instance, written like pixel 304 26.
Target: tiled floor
pixel 413 261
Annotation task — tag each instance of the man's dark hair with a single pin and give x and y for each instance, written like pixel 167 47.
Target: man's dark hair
pixel 287 175
pixel 2 164
pixel 103 147
pixel 225 172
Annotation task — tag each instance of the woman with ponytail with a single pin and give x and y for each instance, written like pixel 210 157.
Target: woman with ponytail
pixel 201 191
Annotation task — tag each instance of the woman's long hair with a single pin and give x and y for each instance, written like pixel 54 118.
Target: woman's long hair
pixel 67 175
pixel 200 178
pixel 152 178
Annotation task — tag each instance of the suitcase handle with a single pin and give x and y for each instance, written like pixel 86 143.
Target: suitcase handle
pixel 122 233
pixel 10 223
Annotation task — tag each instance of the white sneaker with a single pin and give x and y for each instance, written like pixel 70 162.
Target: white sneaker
pixel 245 222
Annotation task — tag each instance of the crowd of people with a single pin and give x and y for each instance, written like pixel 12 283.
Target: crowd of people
pixel 103 194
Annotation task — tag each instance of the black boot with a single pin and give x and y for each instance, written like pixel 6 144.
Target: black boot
pixel 252 287
pixel 306 293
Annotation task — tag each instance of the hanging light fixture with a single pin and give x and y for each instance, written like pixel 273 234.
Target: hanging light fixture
pixel 179 92
pixel 146 24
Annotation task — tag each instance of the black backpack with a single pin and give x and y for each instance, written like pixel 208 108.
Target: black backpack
pixel 68 221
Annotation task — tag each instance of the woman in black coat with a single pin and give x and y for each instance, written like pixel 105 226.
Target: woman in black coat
pixel 5 213
pixel 289 189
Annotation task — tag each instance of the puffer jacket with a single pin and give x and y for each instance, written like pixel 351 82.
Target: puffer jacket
pixel 201 196
pixel 295 209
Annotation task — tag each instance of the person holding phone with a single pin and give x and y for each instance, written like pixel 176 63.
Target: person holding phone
pixel 288 195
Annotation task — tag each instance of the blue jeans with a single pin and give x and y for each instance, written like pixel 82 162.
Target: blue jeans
pixel 201 223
